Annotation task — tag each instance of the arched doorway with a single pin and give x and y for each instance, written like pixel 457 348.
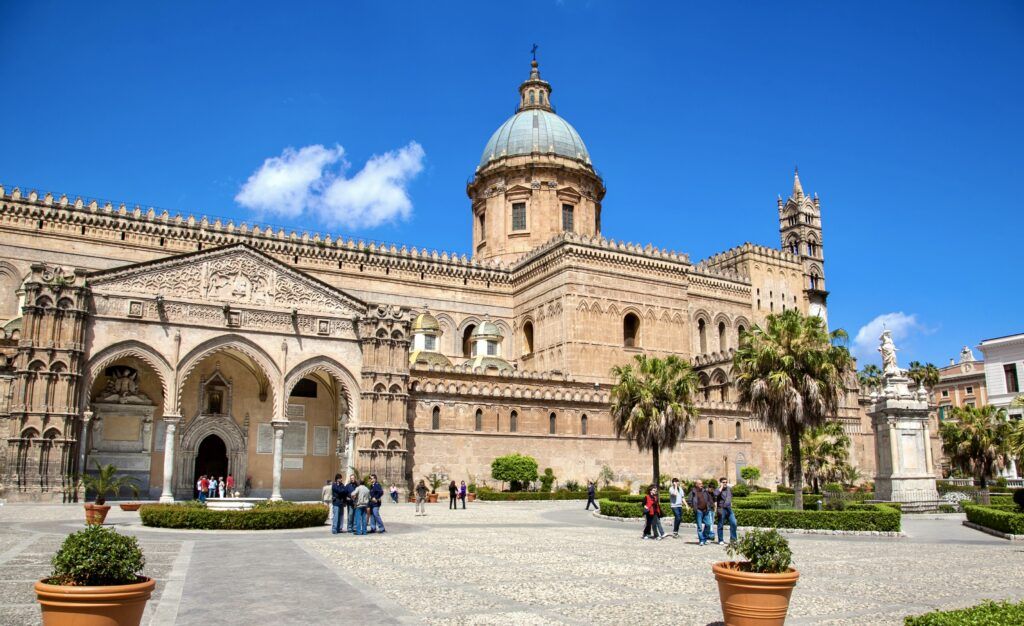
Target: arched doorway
pixel 211 458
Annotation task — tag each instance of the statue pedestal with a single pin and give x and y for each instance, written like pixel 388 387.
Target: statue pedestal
pixel 903 455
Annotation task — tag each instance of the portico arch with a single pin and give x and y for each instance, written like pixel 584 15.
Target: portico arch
pixel 266 367
pixel 195 431
pixel 138 350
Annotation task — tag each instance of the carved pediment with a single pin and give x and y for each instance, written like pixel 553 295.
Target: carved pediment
pixel 236 274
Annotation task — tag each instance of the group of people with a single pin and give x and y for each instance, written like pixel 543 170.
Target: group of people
pixel 456 493
pixel 213 487
pixel 704 502
pixel 360 501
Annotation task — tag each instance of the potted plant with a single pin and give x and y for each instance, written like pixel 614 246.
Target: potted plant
pixel 104 483
pixel 756 591
pixel 434 481
pixel 471 492
pixel 96 580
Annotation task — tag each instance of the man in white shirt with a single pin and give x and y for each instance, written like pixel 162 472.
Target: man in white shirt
pixel 677 494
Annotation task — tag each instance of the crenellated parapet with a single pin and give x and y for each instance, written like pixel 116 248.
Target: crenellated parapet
pixel 733 258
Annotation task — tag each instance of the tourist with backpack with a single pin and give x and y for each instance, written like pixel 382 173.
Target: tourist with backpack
pixel 702 503
pixel 652 508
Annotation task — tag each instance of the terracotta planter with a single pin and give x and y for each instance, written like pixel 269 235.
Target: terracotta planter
pixel 93 606
pixel 471 497
pixel 750 599
pixel 96 513
pixel 431 497
pixel 130 506
pixel 412 497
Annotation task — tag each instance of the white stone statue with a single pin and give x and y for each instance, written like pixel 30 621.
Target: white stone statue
pixel 888 351
pixel 966 356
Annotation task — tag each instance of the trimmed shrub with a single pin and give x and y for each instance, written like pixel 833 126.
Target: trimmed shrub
pixel 97 556
pixel 269 516
pixel 991 517
pixel 988 613
pixel 865 517
pixel 766 551
pixel 514 469
pixel 740 491
pixel 516 496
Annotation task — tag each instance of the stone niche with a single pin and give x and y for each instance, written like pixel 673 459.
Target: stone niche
pixel 122 425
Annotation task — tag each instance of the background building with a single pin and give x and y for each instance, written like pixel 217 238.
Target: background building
pixel 175 346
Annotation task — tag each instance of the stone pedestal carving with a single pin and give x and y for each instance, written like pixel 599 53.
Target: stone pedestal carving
pixel 900 419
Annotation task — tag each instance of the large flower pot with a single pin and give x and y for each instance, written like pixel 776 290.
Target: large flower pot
pixel 120 605
pixel 130 506
pixel 750 599
pixel 96 513
pixel 431 497
pixel 471 497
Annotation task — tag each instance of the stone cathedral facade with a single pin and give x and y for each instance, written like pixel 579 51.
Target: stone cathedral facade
pixel 173 346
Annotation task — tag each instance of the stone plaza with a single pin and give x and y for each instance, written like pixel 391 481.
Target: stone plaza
pixel 509 563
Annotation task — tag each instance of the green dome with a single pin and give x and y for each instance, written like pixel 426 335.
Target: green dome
pixel 535 131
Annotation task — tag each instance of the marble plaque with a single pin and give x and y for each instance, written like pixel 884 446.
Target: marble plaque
pixel 265 439
pixel 321 440
pixel 291 463
pixel 295 438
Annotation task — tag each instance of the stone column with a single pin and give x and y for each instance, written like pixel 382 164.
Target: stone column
pixel 894 450
pixel 928 450
pixel 83 441
pixel 275 493
pixel 351 461
pixel 167 494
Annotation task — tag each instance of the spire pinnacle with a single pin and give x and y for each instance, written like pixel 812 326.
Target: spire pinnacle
pixel 535 92
pixel 798 189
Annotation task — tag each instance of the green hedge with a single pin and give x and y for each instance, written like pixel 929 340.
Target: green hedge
pixel 279 515
pixel 996 519
pixel 865 517
pixel 516 496
pixel 988 613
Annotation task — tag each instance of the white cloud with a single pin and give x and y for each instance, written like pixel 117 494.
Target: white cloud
pixel 865 343
pixel 312 181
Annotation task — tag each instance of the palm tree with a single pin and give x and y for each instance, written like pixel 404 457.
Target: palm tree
pixel 652 404
pixel 870 377
pixel 925 373
pixel 977 438
pixel 106 482
pixel 826 453
pixel 790 374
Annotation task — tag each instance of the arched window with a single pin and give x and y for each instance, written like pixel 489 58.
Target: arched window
pixel 794 246
pixel 812 249
pixel 552 424
pixel 722 343
pixel 478 424
pixel 467 341
pixel 739 430
pixel 528 338
pixel 513 422
pixel 711 429
pixel 631 330
pixel 435 418
pixel 583 424
pixel 740 331
pixel 793 219
pixel 814 280
pixel 531 97
pixel 702 333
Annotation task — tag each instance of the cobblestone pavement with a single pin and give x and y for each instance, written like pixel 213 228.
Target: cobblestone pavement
pixel 511 563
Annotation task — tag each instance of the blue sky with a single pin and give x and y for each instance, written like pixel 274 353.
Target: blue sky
pixel 904 117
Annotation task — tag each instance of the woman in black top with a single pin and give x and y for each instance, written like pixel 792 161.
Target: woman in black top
pixel 453 495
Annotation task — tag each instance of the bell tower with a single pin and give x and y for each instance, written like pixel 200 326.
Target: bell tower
pixel 800 234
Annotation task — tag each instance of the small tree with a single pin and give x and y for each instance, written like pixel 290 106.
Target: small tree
pixel 435 481
pixel 107 483
pixel 870 377
pixel 547 480
pixel 750 474
pixel 515 469
pixel 978 438
pixel 607 476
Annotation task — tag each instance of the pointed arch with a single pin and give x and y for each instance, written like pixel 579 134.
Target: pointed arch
pixel 225 343
pixel 346 381
pixel 138 350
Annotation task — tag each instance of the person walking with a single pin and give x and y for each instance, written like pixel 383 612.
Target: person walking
pixel 212 487
pixel 361 501
pixel 421 498
pixel 200 492
pixel 700 501
pixel 677 500
pixel 591 493
pixel 376 498
pixel 221 487
pixel 204 488
pixel 453 493
pixel 394 493
pixel 723 496
pixel 652 506
pixel 327 498
pixel 339 502
pixel 462 494
pixel 231 485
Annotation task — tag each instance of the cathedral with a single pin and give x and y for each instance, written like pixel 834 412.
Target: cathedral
pixel 174 346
